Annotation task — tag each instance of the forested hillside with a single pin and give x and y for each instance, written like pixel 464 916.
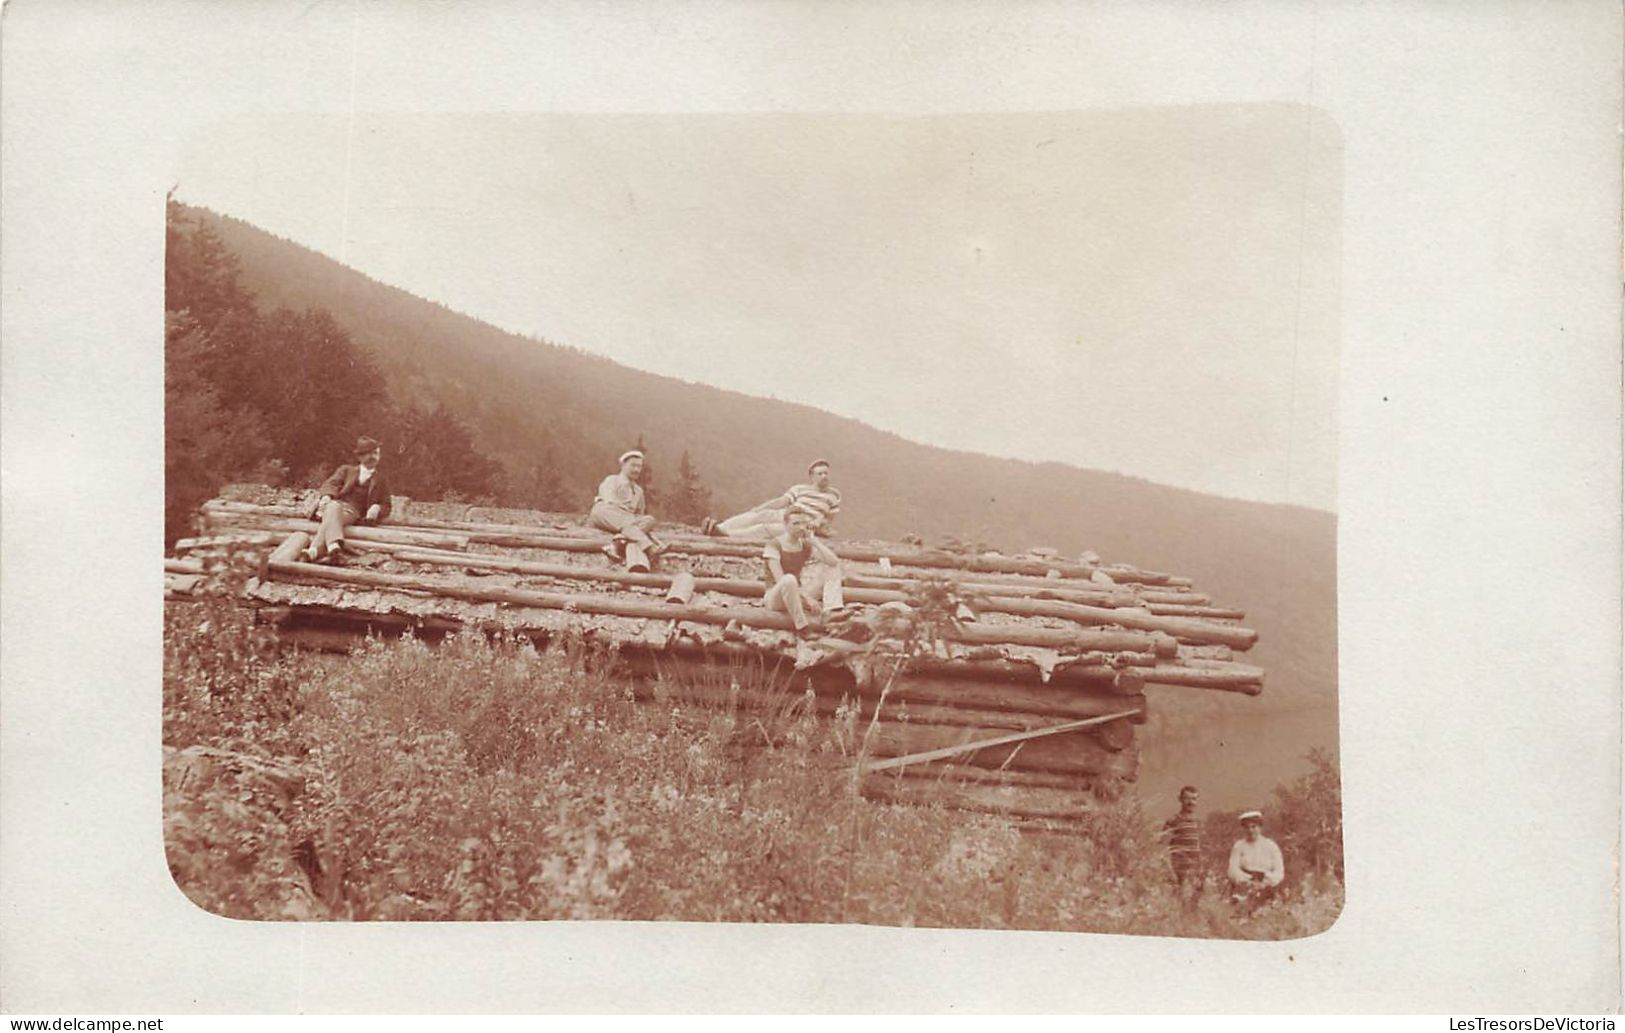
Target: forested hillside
pixel 279 356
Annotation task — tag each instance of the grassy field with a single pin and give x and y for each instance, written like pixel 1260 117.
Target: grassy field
pixel 481 780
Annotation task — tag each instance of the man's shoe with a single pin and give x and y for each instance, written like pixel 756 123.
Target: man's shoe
pixel 708 527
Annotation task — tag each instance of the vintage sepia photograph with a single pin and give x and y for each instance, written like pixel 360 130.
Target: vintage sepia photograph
pixel 795 508
pixel 910 521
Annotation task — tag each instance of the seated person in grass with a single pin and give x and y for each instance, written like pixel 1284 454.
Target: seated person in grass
pixel 816 498
pixel 356 493
pixel 803 576
pixel 1256 866
pixel 619 509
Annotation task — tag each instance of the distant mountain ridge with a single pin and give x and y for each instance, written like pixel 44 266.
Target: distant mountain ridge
pixel 530 402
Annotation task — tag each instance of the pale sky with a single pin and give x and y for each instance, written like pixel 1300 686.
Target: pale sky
pixel 1150 290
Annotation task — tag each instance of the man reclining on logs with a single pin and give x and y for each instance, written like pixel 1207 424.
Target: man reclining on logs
pixel 807 595
pixel 619 509
pixel 818 499
pixel 354 494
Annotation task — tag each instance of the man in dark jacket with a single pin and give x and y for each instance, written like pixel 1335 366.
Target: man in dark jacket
pixel 354 494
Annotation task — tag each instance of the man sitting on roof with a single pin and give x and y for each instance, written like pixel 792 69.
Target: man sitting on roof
pixel 817 499
pixel 354 494
pixel 619 509
pixel 805 594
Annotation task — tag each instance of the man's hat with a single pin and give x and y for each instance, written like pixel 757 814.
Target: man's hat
pixel 628 454
pixel 364 446
pixel 816 463
pixel 1247 816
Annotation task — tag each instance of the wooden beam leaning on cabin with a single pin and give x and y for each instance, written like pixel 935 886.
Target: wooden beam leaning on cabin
pixel 943 712
pixel 1054 760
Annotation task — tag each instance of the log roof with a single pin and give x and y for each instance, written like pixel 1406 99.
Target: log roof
pixel 1037 616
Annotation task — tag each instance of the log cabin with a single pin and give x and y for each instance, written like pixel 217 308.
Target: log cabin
pixel 1005 683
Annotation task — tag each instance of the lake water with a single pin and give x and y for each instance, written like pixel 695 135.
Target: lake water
pixel 1236 761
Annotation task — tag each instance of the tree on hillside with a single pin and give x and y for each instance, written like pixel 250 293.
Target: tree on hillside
pixel 206 443
pixel 542 487
pixel 431 455
pixel 317 389
pixel 1309 816
pixel 651 495
pixel 689 501
pixel 201 274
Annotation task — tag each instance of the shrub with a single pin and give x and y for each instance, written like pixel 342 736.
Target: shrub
pixel 487 780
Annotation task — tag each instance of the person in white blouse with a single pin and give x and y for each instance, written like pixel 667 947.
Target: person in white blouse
pixel 1256 867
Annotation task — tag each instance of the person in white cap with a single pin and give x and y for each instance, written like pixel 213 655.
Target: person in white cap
pixel 619 508
pixel 817 499
pixel 1256 866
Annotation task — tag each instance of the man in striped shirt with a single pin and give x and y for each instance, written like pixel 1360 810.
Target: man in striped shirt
pixel 1184 834
pixel 817 499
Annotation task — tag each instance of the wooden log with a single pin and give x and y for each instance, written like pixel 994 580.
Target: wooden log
pixel 1014 589
pixel 1005 674
pixel 992 714
pixel 1173 597
pixel 1183 628
pixel 1188 653
pixel 1043 701
pixel 681 589
pixel 1022 571
pixel 358 532
pixel 1130 681
pixel 289 550
pixel 1067 753
pixel 748 616
pixel 183 566
pixel 1214 612
pixel 1196 674
pixel 226 541
pixel 994 787
pixel 181 584
pixel 1115 735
